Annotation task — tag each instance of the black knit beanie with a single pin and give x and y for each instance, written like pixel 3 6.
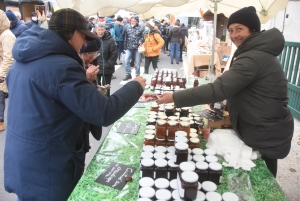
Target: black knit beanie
pixel 246 16
pixel 91 46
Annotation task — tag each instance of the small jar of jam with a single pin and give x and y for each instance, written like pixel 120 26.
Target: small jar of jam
pixel 198 158
pixel 208 186
pixel 146 182
pixel 215 172
pixel 213 196
pixel 172 118
pixel 174 81
pixel 200 195
pixel 193 130
pixel 173 169
pixel 170 156
pixel 181 153
pixel 161 183
pixel 192 124
pixel 161 149
pixel 150 132
pixel 194 135
pixel 160 168
pixel 151 121
pixel 154 107
pixel 181 140
pixel 174 184
pixel 180 134
pixel 186 119
pixel 185 126
pixel 194 143
pixel 148 148
pixel 171 149
pixel 162 117
pixel 159 155
pixel 197 151
pixel 147 192
pixel 211 159
pixel 202 171
pixel 170 142
pixel 161 129
pixel 185 166
pixel 159 80
pixel 163 194
pixel 150 127
pixel 180 83
pixel 209 152
pixel 149 140
pixel 172 127
pixel 189 185
pixel 184 111
pixel 153 82
pixel 168 82
pixel 169 110
pixel 160 142
pixel 147 167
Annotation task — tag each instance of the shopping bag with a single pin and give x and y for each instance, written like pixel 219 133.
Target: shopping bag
pixel 141 49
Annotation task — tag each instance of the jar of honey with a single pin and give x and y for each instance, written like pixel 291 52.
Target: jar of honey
pixel 185 126
pixel 151 121
pixel 149 140
pixel 154 107
pixel 161 129
pixel 172 127
pixel 194 143
pixel 161 142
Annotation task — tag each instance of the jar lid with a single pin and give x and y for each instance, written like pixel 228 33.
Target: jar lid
pixel 170 156
pixel 149 137
pixel 184 119
pixel 161 163
pixel 181 146
pixel 173 118
pixel 193 135
pixel 161 183
pixel 213 196
pixel 197 151
pixel 210 152
pixel 184 123
pixel 152 116
pixel 200 196
pixel 185 108
pixel 209 186
pixel 196 115
pixel 192 162
pixel 197 118
pixel 147 154
pixel 169 107
pixel 154 104
pixel 175 195
pixel 157 92
pixel 192 130
pixel 163 194
pixel 211 158
pixel 215 166
pixel 159 155
pixel 229 196
pixel 162 117
pixel 160 139
pixel 147 162
pixel 181 134
pixel 151 120
pixel 202 165
pixel 160 149
pixel 161 114
pixel 190 157
pixel 181 139
pixel 172 164
pixel 190 110
pixel 189 176
pixel 171 149
pixel 143 199
pixel 148 148
pixel 186 166
pixel 177 114
pixel 150 127
pixel 161 108
pixel 147 192
pixel 195 140
pixel 152 113
pixel 150 132
pixel 191 122
pixel 198 158
pixel 174 184
pixel 172 123
pixel 161 122
pixel 146 182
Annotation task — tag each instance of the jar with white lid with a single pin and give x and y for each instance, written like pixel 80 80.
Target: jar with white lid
pixel 211 159
pixel 198 158
pixel 208 186
pixel 200 196
pixel 209 152
pixel 159 155
pixel 194 143
pixel 189 185
pixel 173 169
pixel 215 172
pixel 146 154
pixel 150 132
pixel 170 156
pixel 185 119
pixel 185 126
pixel 229 196
pixel 162 117
pixel 161 183
pixel 175 195
pixel 174 184
pixel 185 166
pixel 153 113
pixel 148 148
pixel 152 116
pixel 147 167
pixel 149 140
pixel 163 194
pixel 154 106
pixel 172 127
pixel 202 171
pixel 147 192
pixel 194 135
pixel 172 118
pixel 161 129
pixel 197 151
pixel 184 111
pixel 169 110
pixel 151 121
pixel 181 152
pixel 192 124
pixel 160 149
pixel 180 134
pixel 213 196
pixel 160 168
pixel 150 127
pixel 171 149
pixel 146 182
pixel 161 142
pixel 181 140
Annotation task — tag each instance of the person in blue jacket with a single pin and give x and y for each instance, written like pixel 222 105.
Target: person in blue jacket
pixel 50 99
pixel 16 25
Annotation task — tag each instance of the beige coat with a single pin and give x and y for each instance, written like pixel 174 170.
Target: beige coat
pixel 7 40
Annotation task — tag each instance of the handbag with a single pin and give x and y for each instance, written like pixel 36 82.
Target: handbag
pixel 141 49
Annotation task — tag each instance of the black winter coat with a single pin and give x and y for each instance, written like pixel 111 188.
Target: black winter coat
pixel 108 54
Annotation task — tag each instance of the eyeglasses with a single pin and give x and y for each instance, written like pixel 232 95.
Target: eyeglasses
pixel 92 54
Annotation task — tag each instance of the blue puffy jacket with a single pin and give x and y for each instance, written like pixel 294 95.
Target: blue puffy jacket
pixel 17 27
pixel 50 98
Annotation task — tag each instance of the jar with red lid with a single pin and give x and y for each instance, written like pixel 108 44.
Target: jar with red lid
pixel 161 129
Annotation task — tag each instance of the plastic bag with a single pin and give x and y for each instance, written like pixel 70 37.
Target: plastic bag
pixel 239 183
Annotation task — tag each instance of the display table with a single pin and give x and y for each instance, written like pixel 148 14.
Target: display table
pixel 197 59
pixel 126 149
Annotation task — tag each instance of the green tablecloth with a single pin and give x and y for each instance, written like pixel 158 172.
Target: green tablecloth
pixel 126 149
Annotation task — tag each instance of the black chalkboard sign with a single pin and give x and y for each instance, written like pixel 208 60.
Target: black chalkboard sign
pixel 139 105
pixel 115 175
pixel 128 128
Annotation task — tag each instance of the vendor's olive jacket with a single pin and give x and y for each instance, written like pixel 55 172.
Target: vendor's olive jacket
pixel 256 89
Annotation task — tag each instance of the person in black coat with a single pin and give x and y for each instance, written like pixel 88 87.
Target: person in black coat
pixel 184 33
pixel 108 55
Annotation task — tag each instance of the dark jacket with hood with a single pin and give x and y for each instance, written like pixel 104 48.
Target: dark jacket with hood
pixel 108 54
pixel 256 89
pixel 133 37
pixel 184 33
pixel 17 27
pixel 44 156
pixel 175 35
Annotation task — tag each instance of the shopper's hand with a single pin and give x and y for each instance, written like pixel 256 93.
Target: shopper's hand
pixel 165 98
pixel 91 72
pixel 140 80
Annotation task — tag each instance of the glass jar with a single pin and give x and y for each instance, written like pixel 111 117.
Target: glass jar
pixel 197 151
pixel 151 121
pixel 185 166
pixel 202 171
pixel 183 80
pixel 198 158
pixel 163 194
pixel 170 142
pixel 213 196
pixel 184 119
pixel 189 185
pixel 172 127
pixel 150 127
pixel 149 140
pixel 215 172
pixel 172 118
pixel 229 196
pixel 173 169
pixel 147 167
pixel 159 80
pixel 168 82
pixel 162 117
pixel 147 192
pixel 162 149
pixel 169 110
pixel 159 155
pixel 148 148
pixel 194 143
pixel 146 154
pixel 154 107
pixel 150 132
pixel 192 124
pixel 161 170
pixel 208 186
pixel 161 128
pixel 193 130
pixel 174 81
pixel 180 83
pixel 170 156
pixel 181 139
pixel 193 135
pixel 181 153
pixel 160 142
pixel 152 116
pixel 185 126
pixel 161 183
pixel 146 182
pixel 180 134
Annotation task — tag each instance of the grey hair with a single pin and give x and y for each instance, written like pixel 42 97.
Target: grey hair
pixel 100 24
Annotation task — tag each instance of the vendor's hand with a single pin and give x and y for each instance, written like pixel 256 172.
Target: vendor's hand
pixel 140 80
pixel 91 72
pixel 165 98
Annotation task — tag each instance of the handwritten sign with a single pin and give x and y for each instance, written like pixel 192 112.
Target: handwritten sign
pixel 129 127
pixel 115 175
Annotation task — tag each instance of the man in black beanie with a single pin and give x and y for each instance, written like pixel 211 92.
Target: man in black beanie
pixel 255 87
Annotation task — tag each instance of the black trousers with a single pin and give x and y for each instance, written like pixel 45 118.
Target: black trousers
pixel 167 41
pixel 106 79
pixel 181 48
pixel 148 61
pixel 271 164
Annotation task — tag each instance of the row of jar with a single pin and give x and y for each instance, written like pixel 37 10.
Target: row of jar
pixel 171 149
pixel 170 110
pixel 192 142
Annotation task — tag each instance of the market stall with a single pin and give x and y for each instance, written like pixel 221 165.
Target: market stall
pixel 126 149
